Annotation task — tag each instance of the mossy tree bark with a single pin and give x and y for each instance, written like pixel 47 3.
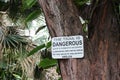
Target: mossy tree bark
pixel 102 49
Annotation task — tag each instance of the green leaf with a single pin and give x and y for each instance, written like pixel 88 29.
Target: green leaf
pixel 84 27
pixel 33 15
pixel 36 49
pixel 14 39
pixel 27 4
pixel 3 64
pixel 17 76
pixel 40 28
pixel 47 63
pixel 7 43
pixel 12 42
pixel 60 78
pixel 58 70
pixel 30 3
pixel 81 2
pixel 39 48
pixel 48 45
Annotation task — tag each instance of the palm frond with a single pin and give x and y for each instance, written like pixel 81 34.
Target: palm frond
pixel 13 41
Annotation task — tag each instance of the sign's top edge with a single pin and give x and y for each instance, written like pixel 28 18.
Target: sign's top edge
pixel 68 36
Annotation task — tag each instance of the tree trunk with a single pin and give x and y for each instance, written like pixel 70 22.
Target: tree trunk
pixel 104 35
pixel 102 49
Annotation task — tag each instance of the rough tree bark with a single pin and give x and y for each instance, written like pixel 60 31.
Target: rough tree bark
pixel 102 49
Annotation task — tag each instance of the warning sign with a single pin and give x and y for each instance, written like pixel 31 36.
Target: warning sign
pixel 67 47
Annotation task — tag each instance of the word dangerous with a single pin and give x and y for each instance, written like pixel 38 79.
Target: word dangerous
pixel 67 43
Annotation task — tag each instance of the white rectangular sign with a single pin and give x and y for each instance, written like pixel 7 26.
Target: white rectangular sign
pixel 67 47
